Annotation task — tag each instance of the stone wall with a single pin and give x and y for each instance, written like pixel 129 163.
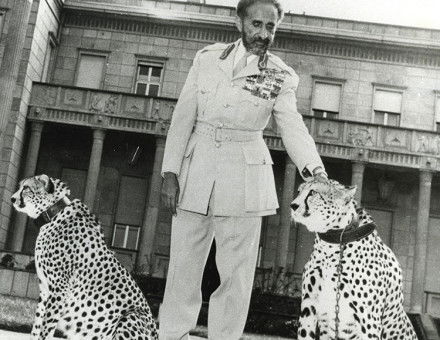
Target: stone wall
pixel 44 18
pixel 18 281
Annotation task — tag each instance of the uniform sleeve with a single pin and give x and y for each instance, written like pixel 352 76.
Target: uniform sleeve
pixel 299 144
pixel 182 122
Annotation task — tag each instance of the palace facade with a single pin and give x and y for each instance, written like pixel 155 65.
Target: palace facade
pixel 88 89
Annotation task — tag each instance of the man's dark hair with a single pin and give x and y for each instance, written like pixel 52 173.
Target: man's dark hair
pixel 243 5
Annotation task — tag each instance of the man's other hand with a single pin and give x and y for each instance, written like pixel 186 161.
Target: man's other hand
pixel 319 174
pixel 170 191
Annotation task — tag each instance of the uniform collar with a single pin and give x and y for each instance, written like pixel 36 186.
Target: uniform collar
pixel 253 67
pixel 241 50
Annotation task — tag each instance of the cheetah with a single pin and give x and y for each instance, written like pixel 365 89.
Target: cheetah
pixel 370 284
pixel 84 291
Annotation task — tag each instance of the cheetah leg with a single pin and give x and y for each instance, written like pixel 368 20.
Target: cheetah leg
pixel 46 318
pixel 39 316
pixel 135 325
pixel 395 322
pixel 308 320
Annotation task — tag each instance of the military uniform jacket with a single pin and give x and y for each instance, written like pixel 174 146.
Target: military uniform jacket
pixel 234 178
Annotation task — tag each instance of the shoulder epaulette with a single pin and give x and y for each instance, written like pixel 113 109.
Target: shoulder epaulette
pixel 227 51
pixel 213 47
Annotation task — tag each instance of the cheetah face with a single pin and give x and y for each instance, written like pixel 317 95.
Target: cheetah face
pixel 322 206
pixel 37 194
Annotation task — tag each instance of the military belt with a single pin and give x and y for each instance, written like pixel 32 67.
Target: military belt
pixel 219 133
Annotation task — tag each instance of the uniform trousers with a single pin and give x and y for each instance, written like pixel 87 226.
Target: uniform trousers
pixel 237 240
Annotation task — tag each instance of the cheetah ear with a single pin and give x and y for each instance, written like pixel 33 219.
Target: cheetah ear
pixel 47 182
pixel 349 193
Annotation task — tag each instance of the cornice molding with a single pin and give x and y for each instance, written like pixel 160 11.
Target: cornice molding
pixel 149 9
pixel 292 42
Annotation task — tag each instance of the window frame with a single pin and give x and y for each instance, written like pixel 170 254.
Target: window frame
pixel 329 81
pixel 2 20
pixel 387 88
pixel 96 53
pixel 436 125
pixel 149 61
pixel 52 43
pixel 127 227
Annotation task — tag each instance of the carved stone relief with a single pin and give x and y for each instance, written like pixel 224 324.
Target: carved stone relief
pixel 44 96
pixel 328 129
pixel 135 105
pixel 104 103
pixel 73 97
pixel 395 138
pixel 361 136
pixel 428 144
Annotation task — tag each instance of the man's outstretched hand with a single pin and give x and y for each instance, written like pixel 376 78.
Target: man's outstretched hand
pixel 170 191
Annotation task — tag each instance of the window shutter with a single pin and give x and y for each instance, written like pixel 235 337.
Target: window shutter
pixel 387 101
pixel 437 108
pixel 326 97
pixel 90 71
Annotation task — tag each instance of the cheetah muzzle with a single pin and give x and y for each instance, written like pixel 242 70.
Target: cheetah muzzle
pixel 84 291
pixel 371 297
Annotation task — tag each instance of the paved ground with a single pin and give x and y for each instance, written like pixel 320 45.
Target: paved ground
pixel 6 335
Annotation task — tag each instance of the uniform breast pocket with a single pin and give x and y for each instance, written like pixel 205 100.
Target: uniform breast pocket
pixel 260 192
pixel 254 110
pixel 204 96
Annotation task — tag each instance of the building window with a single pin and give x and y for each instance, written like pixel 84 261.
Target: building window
pixel 90 70
pixel 326 99
pixel 2 19
pixel 125 236
pixel 51 43
pixel 149 78
pixel 437 110
pixel 387 107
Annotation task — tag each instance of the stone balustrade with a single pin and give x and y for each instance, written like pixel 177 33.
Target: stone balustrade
pixel 342 139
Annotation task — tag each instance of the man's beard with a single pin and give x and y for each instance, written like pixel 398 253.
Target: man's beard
pixel 256 46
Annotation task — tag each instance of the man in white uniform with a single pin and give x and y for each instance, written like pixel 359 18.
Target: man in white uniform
pixel 218 178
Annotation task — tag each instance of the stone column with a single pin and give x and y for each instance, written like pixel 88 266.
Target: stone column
pixel 30 166
pixel 357 178
pixel 18 25
pixel 419 267
pixel 285 214
pixel 94 166
pixel 148 231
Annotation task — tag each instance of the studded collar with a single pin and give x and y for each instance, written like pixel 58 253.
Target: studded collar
pixel 351 233
pixel 47 215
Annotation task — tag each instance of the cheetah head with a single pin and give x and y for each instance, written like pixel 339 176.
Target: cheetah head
pixel 36 194
pixel 322 206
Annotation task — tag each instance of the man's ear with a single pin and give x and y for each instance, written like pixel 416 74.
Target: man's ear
pixel 238 23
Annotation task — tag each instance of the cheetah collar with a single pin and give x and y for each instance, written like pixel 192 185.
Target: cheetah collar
pixel 352 233
pixel 47 215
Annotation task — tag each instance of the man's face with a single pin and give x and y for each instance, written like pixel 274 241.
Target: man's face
pixel 258 27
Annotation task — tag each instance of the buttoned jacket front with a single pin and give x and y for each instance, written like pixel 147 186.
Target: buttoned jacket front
pixel 234 178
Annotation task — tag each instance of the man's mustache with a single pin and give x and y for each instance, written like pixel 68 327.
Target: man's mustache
pixel 261 41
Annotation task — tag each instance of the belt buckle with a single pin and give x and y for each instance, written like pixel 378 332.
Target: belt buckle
pixel 217 130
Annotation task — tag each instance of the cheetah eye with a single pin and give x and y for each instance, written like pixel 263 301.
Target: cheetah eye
pixel 26 190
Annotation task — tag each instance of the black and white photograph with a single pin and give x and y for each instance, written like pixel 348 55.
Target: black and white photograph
pixel 219 169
